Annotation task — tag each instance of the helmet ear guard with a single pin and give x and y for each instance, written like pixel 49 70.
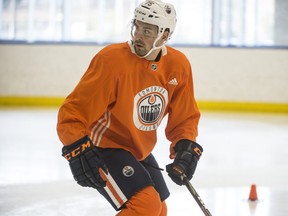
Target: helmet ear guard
pixel 157 13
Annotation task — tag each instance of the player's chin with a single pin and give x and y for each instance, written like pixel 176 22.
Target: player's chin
pixel 140 52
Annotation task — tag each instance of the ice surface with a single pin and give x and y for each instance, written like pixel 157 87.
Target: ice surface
pixel 240 149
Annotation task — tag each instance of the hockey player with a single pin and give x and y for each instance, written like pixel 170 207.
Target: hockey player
pixel 108 123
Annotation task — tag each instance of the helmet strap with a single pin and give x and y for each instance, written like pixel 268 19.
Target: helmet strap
pixel 154 46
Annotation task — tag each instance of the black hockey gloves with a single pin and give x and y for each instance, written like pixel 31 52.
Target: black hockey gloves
pixel 85 160
pixel 187 154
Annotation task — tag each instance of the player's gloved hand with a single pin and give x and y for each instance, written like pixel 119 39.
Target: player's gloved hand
pixel 85 160
pixel 187 154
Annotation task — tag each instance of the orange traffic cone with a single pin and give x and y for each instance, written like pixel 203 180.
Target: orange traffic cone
pixel 253 193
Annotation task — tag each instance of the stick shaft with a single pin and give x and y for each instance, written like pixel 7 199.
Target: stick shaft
pixel 197 198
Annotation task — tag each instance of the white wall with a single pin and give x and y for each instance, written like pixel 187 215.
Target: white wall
pixel 220 74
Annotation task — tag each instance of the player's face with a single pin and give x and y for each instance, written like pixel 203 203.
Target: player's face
pixel 143 36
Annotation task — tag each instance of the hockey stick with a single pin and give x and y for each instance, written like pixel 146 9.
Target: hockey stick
pixel 197 197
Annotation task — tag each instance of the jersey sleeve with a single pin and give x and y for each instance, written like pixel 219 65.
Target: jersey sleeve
pixel 94 93
pixel 184 114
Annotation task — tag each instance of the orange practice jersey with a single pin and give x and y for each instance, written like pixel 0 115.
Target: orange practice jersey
pixel 121 100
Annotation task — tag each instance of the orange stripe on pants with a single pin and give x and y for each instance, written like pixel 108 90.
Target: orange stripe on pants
pixel 146 202
pixel 114 194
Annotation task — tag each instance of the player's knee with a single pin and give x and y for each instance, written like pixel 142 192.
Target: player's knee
pixel 154 204
pixel 163 209
pixel 145 202
pixel 151 203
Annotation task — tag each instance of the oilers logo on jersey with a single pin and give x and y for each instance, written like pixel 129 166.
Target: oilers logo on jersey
pixel 149 107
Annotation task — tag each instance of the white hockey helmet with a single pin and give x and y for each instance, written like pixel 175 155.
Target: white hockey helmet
pixel 157 13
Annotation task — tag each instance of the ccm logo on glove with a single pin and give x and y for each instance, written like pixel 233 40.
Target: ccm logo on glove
pixel 187 154
pixel 75 152
pixel 85 160
pixel 198 151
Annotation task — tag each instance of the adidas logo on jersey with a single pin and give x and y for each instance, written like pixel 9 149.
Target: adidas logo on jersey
pixel 173 82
